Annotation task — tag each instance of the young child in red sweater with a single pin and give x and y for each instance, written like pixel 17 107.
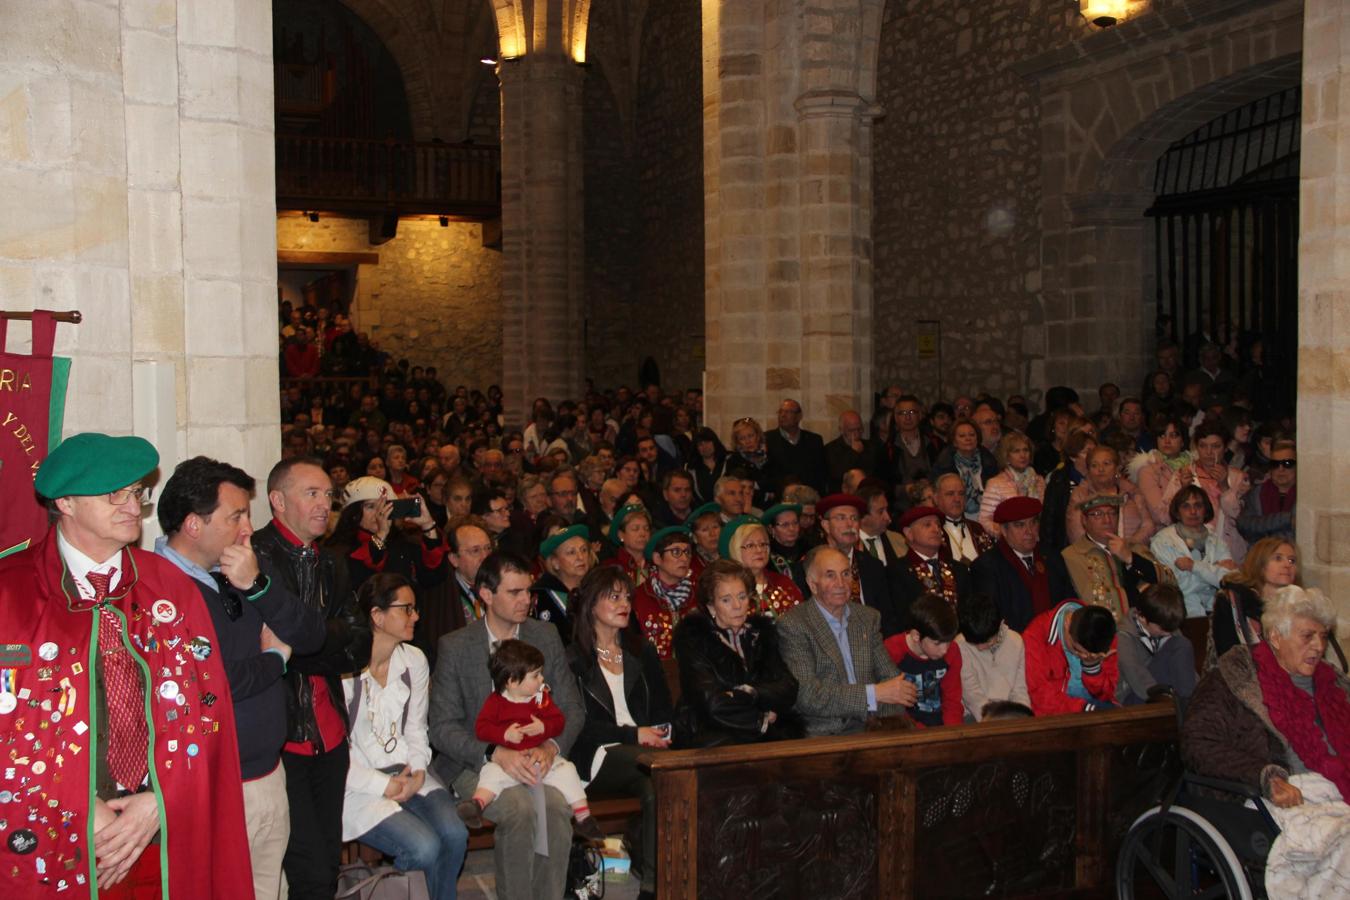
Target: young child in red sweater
pixel 520 714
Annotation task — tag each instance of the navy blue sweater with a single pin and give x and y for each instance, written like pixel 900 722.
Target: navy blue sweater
pixel 255 676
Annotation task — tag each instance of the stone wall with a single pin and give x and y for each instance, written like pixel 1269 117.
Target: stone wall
pixel 136 163
pixel 644 193
pixel 669 158
pixel 957 185
pixel 434 297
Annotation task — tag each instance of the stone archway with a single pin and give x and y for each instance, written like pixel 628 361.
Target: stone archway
pixel 1107 115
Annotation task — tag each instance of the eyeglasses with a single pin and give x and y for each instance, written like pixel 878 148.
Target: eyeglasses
pixel 756 545
pixel 139 491
pixel 679 551
pixel 907 413
pixel 1284 463
pixel 497 510
pixel 410 607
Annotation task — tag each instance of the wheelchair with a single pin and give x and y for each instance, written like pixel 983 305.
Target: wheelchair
pixel 1208 838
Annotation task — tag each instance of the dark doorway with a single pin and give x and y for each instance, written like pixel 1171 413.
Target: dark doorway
pixel 1226 243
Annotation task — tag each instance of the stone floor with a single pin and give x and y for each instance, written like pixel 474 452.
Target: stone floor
pixel 478 883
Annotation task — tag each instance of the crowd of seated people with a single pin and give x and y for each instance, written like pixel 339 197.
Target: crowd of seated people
pixel 956 559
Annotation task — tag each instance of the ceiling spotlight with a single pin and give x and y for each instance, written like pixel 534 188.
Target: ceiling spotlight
pixel 488 61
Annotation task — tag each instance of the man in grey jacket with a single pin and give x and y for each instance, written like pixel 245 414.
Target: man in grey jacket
pixel 530 863
pixel 833 647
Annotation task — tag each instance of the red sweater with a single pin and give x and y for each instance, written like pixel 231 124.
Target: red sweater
pixel 498 714
pixel 1048 669
pixel 953 713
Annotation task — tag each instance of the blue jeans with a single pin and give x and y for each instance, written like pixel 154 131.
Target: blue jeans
pixel 428 835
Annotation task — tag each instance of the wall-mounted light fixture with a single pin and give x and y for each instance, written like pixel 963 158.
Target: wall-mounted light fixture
pixel 488 61
pixel 1103 13
pixel 445 221
pixel 312 216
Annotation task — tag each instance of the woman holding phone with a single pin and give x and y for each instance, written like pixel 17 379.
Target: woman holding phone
pixel 628 708
pixel 370 535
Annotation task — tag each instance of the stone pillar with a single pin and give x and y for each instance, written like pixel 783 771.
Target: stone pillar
pixel 137 159
pixel 787 210
pixel 542 230
pixel 834 139
pixel 1324 302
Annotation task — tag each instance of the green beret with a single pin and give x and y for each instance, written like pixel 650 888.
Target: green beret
pixel 777 510
pixel 664 533
pixel 730 529
pixel 88 464
pixel 551 544
pixel 620 515
pixel 1102 500
pixel 706 509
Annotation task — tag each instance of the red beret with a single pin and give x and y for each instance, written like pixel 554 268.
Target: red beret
pixel 831 501
pixel 1015 509
pixel 916 513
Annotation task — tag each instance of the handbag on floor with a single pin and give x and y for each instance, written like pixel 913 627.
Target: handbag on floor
pixel 358 881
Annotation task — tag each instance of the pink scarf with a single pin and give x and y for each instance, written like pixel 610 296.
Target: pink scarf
pixel 1295 714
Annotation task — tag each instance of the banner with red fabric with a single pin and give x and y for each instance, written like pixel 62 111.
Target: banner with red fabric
pixel 32 410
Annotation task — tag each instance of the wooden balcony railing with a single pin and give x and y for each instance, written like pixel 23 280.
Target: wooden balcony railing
pixel 360 175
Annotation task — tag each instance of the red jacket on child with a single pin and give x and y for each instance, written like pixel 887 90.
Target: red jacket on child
pixel 499 714
pixel 1048 668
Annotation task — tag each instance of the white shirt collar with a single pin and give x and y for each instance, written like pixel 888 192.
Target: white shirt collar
pixel 79 565
pixel 492 638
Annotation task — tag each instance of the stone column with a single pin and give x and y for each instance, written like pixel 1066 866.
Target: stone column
pixel 834 140
pixel 542 230
pixel 787 210
pixel 137 160
pixel 1324 302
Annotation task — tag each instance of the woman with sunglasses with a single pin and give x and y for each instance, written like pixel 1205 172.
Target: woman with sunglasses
pixel 1269 511
pixel 393 802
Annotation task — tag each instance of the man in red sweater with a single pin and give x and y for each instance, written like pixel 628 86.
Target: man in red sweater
pixel 1071 659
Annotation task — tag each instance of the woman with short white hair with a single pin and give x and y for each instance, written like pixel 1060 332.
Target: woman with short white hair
pixel 1277 716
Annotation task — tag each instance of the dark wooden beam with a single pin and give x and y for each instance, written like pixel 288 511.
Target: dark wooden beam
pixel 324 258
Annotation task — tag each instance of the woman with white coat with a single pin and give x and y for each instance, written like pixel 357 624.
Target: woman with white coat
pixel 1197 555
pixel 392 802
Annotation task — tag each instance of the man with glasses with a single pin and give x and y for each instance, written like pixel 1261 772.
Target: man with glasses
pixel 910 458
pixel 491 505
pixel 839 516
pixel 1269 509
pixel 529 865
pixel 315 756
pixel 204 512
pixel 109 700
pixel 1106 569
pixel 562 497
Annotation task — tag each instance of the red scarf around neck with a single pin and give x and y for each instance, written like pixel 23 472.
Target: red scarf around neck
pixel 1295 714
pixel 1272 501
pixel 1038 586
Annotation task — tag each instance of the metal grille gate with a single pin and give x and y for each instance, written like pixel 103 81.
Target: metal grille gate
pixel 1226 233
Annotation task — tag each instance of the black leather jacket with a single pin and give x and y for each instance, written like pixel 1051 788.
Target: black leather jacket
pixel 715 709
pixel 321 582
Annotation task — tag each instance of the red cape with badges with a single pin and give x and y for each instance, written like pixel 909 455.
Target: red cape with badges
pixel 49 735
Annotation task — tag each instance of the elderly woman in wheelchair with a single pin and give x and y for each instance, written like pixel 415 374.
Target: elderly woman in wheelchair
pixel 1276 718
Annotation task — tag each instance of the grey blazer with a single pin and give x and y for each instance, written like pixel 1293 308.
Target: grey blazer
pixel 461 683
pixel 826 701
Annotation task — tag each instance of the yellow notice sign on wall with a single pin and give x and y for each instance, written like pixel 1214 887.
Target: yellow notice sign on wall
pixel 928 346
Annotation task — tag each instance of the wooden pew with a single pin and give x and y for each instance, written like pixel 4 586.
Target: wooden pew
pixel 1021 808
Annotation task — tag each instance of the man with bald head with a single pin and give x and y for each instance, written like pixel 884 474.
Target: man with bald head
pixel 800 454
pixel 833 647
pixel 850 450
